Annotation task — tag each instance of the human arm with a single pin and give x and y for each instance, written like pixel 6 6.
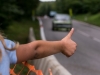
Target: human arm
pixel 39 49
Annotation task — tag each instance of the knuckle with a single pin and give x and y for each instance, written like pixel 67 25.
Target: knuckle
pixel 75 44
pixel 75 48
pixel 69 55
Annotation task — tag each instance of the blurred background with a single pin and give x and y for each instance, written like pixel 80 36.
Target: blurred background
pixel 17 16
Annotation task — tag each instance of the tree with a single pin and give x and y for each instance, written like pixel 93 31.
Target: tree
pixel 78 6
pixel 27 6
pixel 8 11
pixel 44 9
pixel 15 9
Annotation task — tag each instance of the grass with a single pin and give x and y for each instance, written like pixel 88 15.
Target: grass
pixel 19 31
pixel 89 18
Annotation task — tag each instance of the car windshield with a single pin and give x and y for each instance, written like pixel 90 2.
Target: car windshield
pixel 62 17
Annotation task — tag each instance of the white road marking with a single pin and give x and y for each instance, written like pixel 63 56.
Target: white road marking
pixel 65 71
pixel 40 22
pixel 85 34
pixel 96 39
pixel 42 30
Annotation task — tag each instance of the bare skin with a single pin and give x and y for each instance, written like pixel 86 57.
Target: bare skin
pixel 39 49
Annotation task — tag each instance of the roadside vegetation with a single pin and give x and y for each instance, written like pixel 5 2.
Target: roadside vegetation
pixel 15 16
pixel 89 18
pixel 15 21
pixel 83 10
pixel 19 31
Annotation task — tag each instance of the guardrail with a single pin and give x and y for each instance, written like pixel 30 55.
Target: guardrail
pixel 49 62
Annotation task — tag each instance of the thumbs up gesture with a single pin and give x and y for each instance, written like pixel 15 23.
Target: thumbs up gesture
pixel 68 45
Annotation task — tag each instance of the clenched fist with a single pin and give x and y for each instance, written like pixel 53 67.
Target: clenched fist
pixel 68 45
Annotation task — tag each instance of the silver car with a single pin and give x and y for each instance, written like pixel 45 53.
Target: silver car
pixel 62 21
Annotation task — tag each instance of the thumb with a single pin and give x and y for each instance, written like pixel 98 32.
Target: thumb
pixel 70 33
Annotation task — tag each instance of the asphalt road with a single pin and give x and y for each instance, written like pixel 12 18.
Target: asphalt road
pixel 86 60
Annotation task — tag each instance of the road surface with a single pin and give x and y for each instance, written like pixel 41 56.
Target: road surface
pixel 86 60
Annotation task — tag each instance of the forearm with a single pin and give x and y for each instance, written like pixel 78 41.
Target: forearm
pixel 40 49
pixel 46 48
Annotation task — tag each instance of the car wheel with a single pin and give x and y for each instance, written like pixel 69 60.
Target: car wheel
pixel 69 29
pixel 56 28
pixel 66 29
pixel 53 28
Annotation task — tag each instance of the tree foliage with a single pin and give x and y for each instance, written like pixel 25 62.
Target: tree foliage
pixel 44 8
pixel 15 10
pixel 78 6
pixel 27 6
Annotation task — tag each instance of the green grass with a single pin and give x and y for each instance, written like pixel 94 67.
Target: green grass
pixel 92 19
pixel 19 31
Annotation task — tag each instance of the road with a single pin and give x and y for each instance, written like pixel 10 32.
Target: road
pixel 86 60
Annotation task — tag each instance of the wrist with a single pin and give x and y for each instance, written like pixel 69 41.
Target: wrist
pixel 62 46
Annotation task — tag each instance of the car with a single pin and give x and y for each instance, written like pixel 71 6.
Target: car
pixel 52 14
pixel 62 21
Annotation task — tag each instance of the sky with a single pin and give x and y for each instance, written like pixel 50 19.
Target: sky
pixel 47 0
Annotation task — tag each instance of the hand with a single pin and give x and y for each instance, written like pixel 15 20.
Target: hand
pixel 68 45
